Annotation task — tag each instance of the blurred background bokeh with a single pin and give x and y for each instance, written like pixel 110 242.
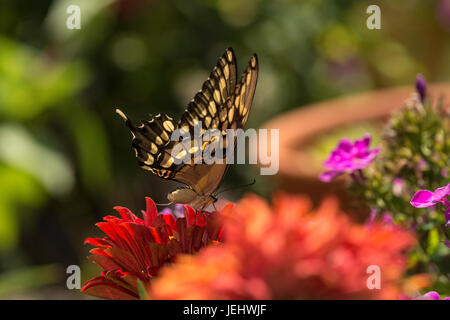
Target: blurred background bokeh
pixel 65 156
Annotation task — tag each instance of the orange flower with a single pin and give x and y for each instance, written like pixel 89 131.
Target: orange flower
pixel 289 252
pixel 135 249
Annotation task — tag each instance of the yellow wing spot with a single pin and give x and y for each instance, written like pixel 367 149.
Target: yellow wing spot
pixel 230 114
pixel 222 84
pixel 165 136
pixel 153 148
pixel 223 114
pixel 167 163
pixel 229 56
pixel 168 125
pixel 207 121
pixel 241 107
pixel 226 71
pixel 236 102
pixel 185 128
pixel 243 89
pixel 217 96
pixel 247 80
pixel 253 62
pixel 203 111
pixel 149 160
pixel 212 108
pixel 158 141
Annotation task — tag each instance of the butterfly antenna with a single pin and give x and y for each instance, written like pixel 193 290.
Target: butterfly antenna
pixel 238 187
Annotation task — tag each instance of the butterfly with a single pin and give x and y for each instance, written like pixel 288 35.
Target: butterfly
pixel 221 104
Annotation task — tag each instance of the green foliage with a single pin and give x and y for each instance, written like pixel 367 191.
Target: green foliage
pixel 66 157
pixel 31 83
pixel 31 278
pixel 415 154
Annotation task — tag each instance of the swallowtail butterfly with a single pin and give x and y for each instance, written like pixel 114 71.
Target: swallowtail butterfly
pixel 221 104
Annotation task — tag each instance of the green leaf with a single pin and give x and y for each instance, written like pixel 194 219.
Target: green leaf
pixel 143 294
pixel 433 241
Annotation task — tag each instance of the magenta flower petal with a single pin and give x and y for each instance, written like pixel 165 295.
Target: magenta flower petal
pixel 432 295
pixel 348 157
pixel 440 193
pixel 328 176
pixel 363 144
pixel 345 145
pixel 422 199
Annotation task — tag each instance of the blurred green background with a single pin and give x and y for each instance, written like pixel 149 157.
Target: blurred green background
pixel 65 156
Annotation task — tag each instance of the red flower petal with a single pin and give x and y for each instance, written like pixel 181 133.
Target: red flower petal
pixel 106 289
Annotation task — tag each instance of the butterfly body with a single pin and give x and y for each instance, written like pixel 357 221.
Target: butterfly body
pixel 221 104
pixel 189 196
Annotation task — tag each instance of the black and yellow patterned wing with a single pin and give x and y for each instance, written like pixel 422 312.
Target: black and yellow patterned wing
pixel 216 90
pixel 243 97
pixel 152 144
pixel 232 114
pixel 151 140
pixel 220 104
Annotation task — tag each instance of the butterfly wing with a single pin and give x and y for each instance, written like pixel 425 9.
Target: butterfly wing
pixel 216 90
pixel 244 93
pixel 232 114
pixel 220 104
pixel 152 144
pixel 151 140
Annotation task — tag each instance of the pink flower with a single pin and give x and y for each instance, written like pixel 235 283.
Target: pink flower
pixel 349 157
pixel 426 199
pixel 432 295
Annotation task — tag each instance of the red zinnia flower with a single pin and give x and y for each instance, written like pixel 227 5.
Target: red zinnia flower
pixel 134 249
pixel 290 252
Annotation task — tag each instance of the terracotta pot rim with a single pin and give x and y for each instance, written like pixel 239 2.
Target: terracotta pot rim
pixel 334 113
